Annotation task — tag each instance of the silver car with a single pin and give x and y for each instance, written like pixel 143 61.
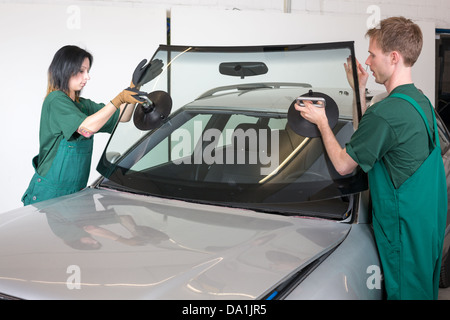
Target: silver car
pixel 223 198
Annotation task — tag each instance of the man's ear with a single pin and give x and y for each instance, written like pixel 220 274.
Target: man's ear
pixel 395 57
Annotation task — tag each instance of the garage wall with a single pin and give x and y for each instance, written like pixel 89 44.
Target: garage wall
pixel 30 34
pixel 121 33
pixel 435 11
pixel 261 28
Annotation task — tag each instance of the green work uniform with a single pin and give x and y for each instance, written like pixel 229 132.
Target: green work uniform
pixel 63 163
pixel 397 144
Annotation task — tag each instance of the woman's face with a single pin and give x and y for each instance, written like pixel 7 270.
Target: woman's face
pixel 79 80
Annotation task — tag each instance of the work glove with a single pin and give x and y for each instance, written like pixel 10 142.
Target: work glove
pixel 129 95
pixel 145 73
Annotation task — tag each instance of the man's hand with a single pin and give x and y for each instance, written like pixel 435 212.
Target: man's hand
pixel 363 75
pixel 342 162
pixel 312 113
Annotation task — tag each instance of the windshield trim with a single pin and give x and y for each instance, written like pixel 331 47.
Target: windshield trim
pixel 256 48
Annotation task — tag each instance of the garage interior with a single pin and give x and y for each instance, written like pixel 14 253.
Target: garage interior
pixel 32 30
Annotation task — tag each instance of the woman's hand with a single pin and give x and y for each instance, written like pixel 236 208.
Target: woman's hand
pixel 129 95
pixel 145 73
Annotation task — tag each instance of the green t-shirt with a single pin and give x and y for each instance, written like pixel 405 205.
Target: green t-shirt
pixel 60 118
pixel 393 131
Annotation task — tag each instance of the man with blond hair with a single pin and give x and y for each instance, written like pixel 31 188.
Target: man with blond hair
pixel 397 144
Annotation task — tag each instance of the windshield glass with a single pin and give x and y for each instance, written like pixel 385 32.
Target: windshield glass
pixel 228 140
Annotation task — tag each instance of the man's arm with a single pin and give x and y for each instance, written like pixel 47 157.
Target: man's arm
pixel 342 162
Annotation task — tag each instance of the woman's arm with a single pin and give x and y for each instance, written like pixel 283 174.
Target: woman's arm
pixel 127 110
pixel 93 123
pixel 124 101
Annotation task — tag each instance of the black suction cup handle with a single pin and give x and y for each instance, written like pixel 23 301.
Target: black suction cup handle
pixel 303 127
pixel 152 113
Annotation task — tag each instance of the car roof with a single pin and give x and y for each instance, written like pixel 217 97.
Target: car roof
pixel 262 97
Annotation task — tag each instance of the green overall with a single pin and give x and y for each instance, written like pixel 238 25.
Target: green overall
pixel 68 173
pixel 63 163
pixel 409 222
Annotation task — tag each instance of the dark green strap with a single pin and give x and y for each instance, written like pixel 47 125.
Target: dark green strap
pixel 422 114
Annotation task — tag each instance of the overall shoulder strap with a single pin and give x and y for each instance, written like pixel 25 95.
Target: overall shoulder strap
pixel 422 114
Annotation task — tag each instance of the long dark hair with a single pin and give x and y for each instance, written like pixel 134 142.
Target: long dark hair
pixel 65 64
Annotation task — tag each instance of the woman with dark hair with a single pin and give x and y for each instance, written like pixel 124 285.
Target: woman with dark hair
pixel 68 122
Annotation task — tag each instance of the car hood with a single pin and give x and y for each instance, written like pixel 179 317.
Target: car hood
pixel 152 248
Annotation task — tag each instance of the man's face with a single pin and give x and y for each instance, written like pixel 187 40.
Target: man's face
pixel 380 63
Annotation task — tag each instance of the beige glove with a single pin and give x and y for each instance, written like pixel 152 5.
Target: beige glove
pixel 129 95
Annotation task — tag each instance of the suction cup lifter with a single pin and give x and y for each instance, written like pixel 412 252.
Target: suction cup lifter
pixel 314 100
pixel 148 103
pixel 303 127
pixel 154 111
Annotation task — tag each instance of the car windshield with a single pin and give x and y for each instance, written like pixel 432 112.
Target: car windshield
pixel 228 140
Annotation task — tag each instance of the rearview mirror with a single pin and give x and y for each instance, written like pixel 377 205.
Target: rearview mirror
pixel 243 69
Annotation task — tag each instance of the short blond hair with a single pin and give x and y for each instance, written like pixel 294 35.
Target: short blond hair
pixel 401 35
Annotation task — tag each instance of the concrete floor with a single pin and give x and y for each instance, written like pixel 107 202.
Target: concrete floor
pixel 444 294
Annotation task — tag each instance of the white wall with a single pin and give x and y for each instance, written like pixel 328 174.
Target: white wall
pixel 30 35
pixel 435 11
pixel 121 33
pixel 262 28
